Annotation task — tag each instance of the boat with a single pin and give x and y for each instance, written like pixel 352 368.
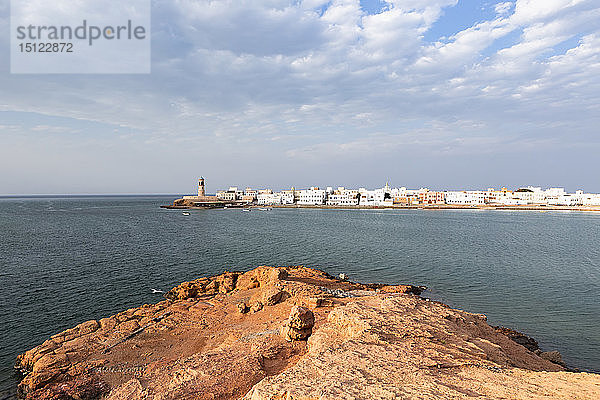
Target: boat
pixel 185 213
pixel 246 209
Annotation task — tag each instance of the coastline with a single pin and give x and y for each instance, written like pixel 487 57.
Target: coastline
pixel 202 325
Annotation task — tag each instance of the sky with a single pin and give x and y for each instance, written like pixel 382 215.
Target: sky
pixel 443 94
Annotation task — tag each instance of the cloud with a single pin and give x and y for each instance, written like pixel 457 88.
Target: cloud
pixel 328 77
pixel 503 8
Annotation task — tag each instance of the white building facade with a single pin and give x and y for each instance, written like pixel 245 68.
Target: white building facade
pixel 376 198
pixel 343 197
pixel 467 198
pixel 312 196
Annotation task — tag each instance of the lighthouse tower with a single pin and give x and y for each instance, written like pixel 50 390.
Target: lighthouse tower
pixel 201 191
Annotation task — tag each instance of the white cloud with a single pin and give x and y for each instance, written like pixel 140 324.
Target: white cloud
pixel 503 8
pixel 235 75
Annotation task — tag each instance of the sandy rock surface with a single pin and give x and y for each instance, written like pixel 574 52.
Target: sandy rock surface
pixel 236 336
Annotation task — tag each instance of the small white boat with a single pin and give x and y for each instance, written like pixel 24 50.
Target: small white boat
pixel 185 213
pixel 246 210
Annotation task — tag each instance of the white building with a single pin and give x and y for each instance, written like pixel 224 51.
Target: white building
pixel 466 198
pixel 567 200
pixel 530 195
pixel 249 192
pixel 589 199
pixel 502 196
pixel 228 195
pixel 312 196
pixel 398 192
pixel 376 198
pixel 343 197
pixel 264 199
pixel 287 197
pixel 275 198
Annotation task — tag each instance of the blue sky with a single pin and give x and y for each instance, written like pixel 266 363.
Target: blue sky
pixel 443 94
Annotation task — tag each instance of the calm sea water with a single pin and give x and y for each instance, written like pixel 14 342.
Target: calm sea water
pixel 67 260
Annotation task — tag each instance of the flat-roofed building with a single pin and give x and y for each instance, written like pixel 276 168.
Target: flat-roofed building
pixel 432 198
pixel 466 198
pixel 376 198
pixel 312 196
pixel 343 197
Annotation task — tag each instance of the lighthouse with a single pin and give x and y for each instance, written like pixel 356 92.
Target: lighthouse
pixel 201 191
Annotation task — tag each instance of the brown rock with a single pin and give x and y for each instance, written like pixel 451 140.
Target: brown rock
pixel 256 307
pixel 243 307
pixel 401 289
pixel 553 356
pixel 227 282
pixel 129 326
pixel 88 327
pixel 291 334
pixel 518 337
pixel 272 296
pixel 51 361
pixel 301 318
pixel 299 324
pixel 223 283
pixel 261 277
pixel 314 302
pixel 278 274
pixel 107 324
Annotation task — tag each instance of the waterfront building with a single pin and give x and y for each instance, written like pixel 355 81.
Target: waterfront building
pixel 286 197
pixel 567 200
pixel 502 196
pixel 406 197
pixel 312 196
pixel 268 198
pixel 228 195
pixel 376 198
pixel 248 199
pixel 431 198
pixel 530 195
pixel 588 199
pixel 275 198
pixel 404 200
pixel 251 193
pixel 466 198
pixel 343 197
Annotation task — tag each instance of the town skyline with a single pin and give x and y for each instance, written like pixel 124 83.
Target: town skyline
pixel 438 93
pixel 386 196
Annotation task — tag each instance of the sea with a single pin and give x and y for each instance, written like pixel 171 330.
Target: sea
pixel 66 260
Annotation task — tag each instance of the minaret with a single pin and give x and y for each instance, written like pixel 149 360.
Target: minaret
pixel 201 192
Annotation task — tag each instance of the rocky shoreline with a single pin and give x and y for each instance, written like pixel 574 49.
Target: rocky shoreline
pixel 294 333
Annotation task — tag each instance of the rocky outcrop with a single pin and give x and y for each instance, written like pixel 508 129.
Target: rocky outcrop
pixel 552 356
pixel 299 324
pixel 293 333
pixel 223 283
pixel 404 347
pixel 518 337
